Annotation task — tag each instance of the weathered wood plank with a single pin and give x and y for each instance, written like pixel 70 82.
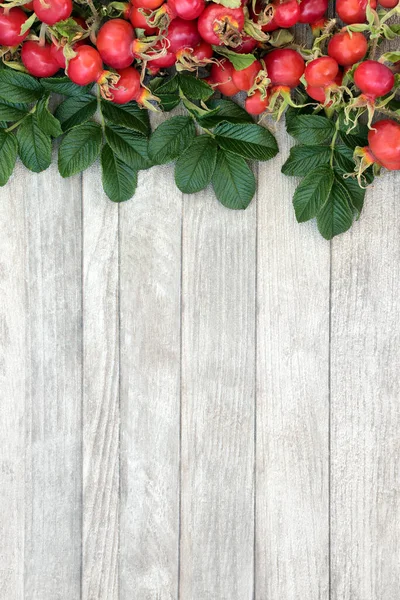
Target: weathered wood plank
pixel 53 387
pixel 218 369
pixel 100 521
pixel 150 258
pixel 365 401
pixel 292 395
pixel 12 386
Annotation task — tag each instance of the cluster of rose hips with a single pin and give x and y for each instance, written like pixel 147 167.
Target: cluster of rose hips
pixel 117 44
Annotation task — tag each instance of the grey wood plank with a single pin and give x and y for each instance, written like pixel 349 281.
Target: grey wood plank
pixel 218 368
pixel 54 387
pixel 100 521
pixel 150 258
pixel 292 395
pixel 365 401
pixel 12 386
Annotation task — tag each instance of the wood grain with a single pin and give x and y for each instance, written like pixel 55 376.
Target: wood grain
pixel 365 401
pixel 218 367
pixel 150 256
pixel 13 312
pixel 53 387
pixel 100 521
pixel 292 395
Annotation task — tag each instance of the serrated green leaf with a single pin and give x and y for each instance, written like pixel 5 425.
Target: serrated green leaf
pixel 161 85
pixel 75 111
pixel 170 139
pixel 233 181
pixel 250 141
pixel 34 145
pixel 193 88
pixel 311 130
pixel 312 193
pixel 19 87
pixel 226 111
pixel 168 102
pixel 303 159
pixel 79 149
pixel 128 115
pixel 336 215
pixel 46 121
pixel 355 193
pixel 12 112
pixel 8 155
pixel 195 168
pixel 354 138
pixel 64 86
pixel 130 147
pixel 239 61
pixel 119 180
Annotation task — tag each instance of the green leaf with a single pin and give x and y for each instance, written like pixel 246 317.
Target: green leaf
pixel 12 112
pixel 161 85
pixel 302 159
pixel 227 111
pixel 79 149
pixel 248 140
pixel 239 61
pixel 64 86
pixel 195 168
pixel 229 3
pixel 233 181
pixel 75 111
pixel 193 88
pixel 336 215
pixel 130 147
pixel 312 192
pixel 168 102
pixel 355 193
pixel 354 139
pixel 18 87
pixel 129 115
pixel 311 130
pixel 170 139
pixel 46 121
pixel 119 180
pixel 34 145
pixel 8 155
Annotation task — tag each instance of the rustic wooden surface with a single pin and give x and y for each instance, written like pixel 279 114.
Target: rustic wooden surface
pixel 196 404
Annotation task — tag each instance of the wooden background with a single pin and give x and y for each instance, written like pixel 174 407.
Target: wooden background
pixel 196 403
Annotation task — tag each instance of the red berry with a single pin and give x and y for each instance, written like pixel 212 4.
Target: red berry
pixel 373 78
pixel 52 11
pixel 86 67
pixel 321 71
pixel 347 49
pixel 219 25
pixel 128 86
pixel 284 67
pixel 256 104
pixel 182 34
pixel 287 13
pixel 384 143
pixel 312 10
pixel 245 78
pixel 353 11
pixel 222 75
pixel 10 26
pixel 114 43
pixel 38 59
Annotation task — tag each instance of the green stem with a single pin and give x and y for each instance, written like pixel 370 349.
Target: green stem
pixel 389 113
pixel 333 142
pixel 15 125
pixel 98 96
